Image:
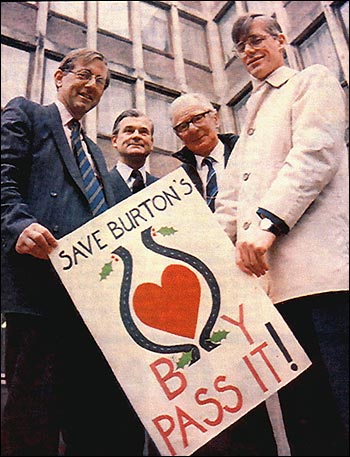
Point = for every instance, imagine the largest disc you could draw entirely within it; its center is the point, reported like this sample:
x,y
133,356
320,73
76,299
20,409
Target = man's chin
x,y
137,151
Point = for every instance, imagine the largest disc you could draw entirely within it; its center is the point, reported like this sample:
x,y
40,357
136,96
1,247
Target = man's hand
x,y
250,252
37,241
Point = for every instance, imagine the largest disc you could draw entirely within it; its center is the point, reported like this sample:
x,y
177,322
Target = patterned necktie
x,y
93,189
138,183
212,185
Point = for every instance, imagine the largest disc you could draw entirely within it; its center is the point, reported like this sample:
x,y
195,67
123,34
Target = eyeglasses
x,y
86,76
195,120
255,41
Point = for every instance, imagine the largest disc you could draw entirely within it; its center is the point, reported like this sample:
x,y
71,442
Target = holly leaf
x,y
185,359
167,231
106,270
216,337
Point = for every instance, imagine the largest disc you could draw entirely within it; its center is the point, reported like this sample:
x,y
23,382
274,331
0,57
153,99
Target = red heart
x,y
172,307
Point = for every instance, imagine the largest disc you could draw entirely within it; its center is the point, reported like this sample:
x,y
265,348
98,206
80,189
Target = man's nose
x,y
191,125
250,47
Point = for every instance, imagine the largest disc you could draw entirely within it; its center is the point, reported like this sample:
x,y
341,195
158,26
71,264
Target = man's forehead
x,y
189,108
257,26
135,121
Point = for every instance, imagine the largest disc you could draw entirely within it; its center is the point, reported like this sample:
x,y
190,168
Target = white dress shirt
x,y
66,118
125,172
218,155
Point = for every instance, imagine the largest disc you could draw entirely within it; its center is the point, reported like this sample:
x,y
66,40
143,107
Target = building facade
x,y
158,50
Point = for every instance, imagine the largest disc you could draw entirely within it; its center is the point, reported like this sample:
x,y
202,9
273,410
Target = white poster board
x,y
194,342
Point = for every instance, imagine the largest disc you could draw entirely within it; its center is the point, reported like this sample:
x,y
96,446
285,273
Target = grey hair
x,y
190,98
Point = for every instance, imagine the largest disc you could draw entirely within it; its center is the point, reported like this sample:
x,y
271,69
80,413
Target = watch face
x,y
266,224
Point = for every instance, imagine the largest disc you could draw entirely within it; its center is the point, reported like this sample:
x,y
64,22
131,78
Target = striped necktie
x,y
138,183
212,185
93,189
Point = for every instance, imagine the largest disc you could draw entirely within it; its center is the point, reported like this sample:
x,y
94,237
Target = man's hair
x,y
86,55
129,113
186,99
242,26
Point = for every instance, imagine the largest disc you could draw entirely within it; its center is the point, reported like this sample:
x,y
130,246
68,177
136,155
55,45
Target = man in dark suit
x,y
57,378
196,122
132,137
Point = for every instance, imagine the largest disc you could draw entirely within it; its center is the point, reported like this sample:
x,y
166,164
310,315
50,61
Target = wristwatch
x,y
268,226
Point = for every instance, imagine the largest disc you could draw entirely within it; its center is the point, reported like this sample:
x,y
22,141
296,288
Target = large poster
x,y
194,342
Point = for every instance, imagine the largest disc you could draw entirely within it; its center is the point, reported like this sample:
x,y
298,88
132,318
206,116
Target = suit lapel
x,y
54,122
121,189
150,179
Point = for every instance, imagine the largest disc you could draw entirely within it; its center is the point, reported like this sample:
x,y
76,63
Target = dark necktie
x,y
138,183
211,185
93,189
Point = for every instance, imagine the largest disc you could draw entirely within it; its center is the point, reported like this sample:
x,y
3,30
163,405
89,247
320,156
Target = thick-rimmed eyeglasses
x,y
195,120
86,76
255,42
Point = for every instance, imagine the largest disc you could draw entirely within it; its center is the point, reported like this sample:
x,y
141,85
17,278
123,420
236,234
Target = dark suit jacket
x,y
120,188
41,182
189,160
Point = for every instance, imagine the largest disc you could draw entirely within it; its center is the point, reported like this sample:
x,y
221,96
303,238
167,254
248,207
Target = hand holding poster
x,y
194,342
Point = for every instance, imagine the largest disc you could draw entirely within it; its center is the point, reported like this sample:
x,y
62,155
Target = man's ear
x,y
282,40
114,140
58,78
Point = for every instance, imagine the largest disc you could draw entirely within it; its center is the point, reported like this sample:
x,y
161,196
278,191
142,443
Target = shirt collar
x,y
217,154
64,113
125,171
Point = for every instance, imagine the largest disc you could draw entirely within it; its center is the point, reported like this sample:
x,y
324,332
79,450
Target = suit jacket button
x,y
53,194
55,228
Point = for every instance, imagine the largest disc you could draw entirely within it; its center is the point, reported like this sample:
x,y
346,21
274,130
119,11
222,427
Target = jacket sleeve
x,y
16,162
317,119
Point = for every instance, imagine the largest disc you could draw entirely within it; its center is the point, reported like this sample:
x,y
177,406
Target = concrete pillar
x,y
91,42
39,59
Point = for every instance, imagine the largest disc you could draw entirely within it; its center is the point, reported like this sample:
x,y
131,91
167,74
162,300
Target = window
x,y
117,97
154,27
49,95
74,10
319,48
157,108
225,27
343,13
240,111
194,43
193,5
14,73
114,17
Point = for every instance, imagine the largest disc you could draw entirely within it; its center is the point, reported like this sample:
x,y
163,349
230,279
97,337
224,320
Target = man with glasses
x,y
53,180
206,152
284,203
